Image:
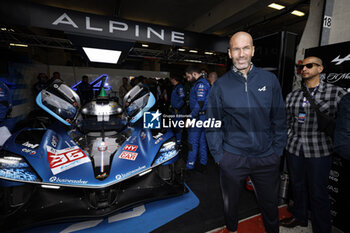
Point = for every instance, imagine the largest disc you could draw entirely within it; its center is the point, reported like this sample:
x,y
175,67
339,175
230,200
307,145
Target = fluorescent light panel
x,y
276,6
298,13
209,53
102,55
193,51
145,45
195,61
181,49
18,45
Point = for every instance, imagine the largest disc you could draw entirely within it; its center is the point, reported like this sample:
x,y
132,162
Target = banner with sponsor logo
x,y
78,23
336,62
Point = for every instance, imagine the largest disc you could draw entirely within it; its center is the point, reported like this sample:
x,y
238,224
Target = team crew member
x,y
124,88
309,149
5,101
85,90
249,103
212,77
177,102
5,106
198,105
41,84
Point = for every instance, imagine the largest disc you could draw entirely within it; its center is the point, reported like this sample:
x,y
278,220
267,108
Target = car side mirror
x,y
137,101
60,101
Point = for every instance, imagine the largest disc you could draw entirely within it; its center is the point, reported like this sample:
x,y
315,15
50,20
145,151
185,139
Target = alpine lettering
x,y
117,26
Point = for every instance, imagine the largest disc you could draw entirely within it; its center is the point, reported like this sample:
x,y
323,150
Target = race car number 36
x,y
62,160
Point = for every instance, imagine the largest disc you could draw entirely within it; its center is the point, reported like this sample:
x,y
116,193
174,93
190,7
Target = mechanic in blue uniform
x,y
85,90
5,101
177,102
198,105
5,106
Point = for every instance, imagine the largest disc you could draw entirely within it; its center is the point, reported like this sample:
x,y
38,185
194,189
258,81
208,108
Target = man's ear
x,y
320,68
229,53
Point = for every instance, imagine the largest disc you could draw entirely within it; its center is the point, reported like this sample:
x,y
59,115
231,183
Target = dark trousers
x,y
309,182
265,175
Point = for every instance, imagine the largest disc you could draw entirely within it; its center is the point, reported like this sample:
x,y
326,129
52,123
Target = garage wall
x,y
340,30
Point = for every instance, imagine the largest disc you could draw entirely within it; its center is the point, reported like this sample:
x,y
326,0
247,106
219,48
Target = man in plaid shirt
x,y
308,149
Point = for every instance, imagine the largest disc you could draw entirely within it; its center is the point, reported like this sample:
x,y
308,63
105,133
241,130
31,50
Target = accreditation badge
x,y
301,117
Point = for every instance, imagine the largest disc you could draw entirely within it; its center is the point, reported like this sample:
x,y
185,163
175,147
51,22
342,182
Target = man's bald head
x,y
241,51
241,36
314,59
212,77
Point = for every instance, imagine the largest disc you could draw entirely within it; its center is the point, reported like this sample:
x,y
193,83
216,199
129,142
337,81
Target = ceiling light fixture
x,y
145,45
209,53
276,6
195,61
298,13
102,55
193,51
19,45
181,49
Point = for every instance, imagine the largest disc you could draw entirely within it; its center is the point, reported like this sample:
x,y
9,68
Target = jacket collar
x,y
239,72
322,86
199,79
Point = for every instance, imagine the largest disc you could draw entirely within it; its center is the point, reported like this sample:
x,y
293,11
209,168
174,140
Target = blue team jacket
x,y
5,100
199,96
252,112
177,97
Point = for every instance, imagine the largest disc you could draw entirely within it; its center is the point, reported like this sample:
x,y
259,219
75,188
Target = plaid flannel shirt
x,y
315,144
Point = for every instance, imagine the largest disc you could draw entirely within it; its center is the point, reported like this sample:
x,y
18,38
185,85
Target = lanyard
x,y
305,101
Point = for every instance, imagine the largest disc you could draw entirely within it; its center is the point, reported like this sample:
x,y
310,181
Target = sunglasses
x,y
308,65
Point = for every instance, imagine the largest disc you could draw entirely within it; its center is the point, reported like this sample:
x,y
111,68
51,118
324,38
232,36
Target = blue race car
x,y
95,160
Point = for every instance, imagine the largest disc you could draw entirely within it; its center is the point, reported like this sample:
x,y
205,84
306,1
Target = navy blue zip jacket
x,y
252,113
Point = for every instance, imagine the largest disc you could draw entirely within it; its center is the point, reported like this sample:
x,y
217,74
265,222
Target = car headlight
x,y
16,168
166,152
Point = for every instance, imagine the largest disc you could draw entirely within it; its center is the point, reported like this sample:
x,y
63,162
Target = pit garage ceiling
x,y
216,17
221,17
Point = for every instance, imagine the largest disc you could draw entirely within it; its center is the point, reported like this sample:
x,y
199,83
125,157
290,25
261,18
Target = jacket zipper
x,y
250,123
